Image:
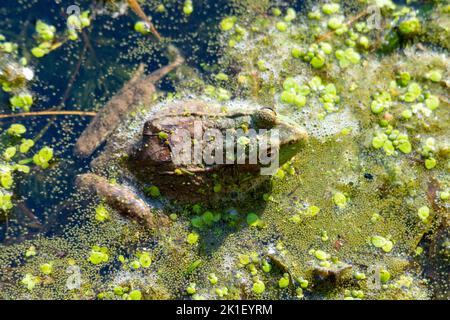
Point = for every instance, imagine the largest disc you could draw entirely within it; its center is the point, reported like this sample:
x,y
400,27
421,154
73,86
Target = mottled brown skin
x,y
152,161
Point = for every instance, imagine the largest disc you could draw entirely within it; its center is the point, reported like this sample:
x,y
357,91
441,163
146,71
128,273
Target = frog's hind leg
x,y
121,199
138,91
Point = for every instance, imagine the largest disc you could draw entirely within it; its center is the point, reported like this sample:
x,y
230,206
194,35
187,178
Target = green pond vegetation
x,y
361,212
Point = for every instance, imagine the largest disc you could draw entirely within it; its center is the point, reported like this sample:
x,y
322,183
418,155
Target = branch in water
x,y
349,23
49,113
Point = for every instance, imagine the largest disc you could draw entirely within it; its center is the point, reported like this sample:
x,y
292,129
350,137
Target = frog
x,y
189,150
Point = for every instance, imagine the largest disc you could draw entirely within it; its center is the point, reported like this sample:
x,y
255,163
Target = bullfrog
x,y
193,149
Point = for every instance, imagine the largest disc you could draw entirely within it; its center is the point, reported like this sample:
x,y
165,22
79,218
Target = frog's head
x,y
291,136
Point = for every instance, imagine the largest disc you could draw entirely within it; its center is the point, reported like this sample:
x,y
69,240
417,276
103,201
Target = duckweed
x,y
430,163
423,213
340,200
152,191
413,93
330,8
444,195
9,153
334,23
410,26
135,295
244,259
360,275
212,278
221,292
258,287
347,57
290,15
321,255
22,101
5,201
208,218
266,267
16,130
284,281
407,114
101,213
46,268
303,283
391,140
26,145
192,238
31,252
383,243
30,281
197,222
384,276
281,26
312,211
403,78
98,255
191,289
228,23
317,62
188,7
276,12
43,157
145,259
432,102
434,75
252,219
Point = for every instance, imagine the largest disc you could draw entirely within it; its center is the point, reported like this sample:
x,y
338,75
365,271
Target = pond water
x,y
364,198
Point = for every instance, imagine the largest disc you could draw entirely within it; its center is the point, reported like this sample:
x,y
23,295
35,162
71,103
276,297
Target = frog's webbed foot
x,y
122,199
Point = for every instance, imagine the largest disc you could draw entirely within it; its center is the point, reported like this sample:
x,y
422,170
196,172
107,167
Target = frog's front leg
x,y
122,199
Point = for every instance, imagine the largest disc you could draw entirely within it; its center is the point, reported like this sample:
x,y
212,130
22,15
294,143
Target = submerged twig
x,y
49,113
348,23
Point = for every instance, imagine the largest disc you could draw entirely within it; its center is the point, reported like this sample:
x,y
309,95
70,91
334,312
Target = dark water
x,y
83,75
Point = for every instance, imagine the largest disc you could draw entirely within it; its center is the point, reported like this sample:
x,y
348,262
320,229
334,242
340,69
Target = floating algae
x,y
361,212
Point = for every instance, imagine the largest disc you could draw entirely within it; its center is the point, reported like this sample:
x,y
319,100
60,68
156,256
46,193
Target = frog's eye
x,y
265,118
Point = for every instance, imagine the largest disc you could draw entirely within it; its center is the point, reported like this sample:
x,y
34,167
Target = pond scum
x,y
362,212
